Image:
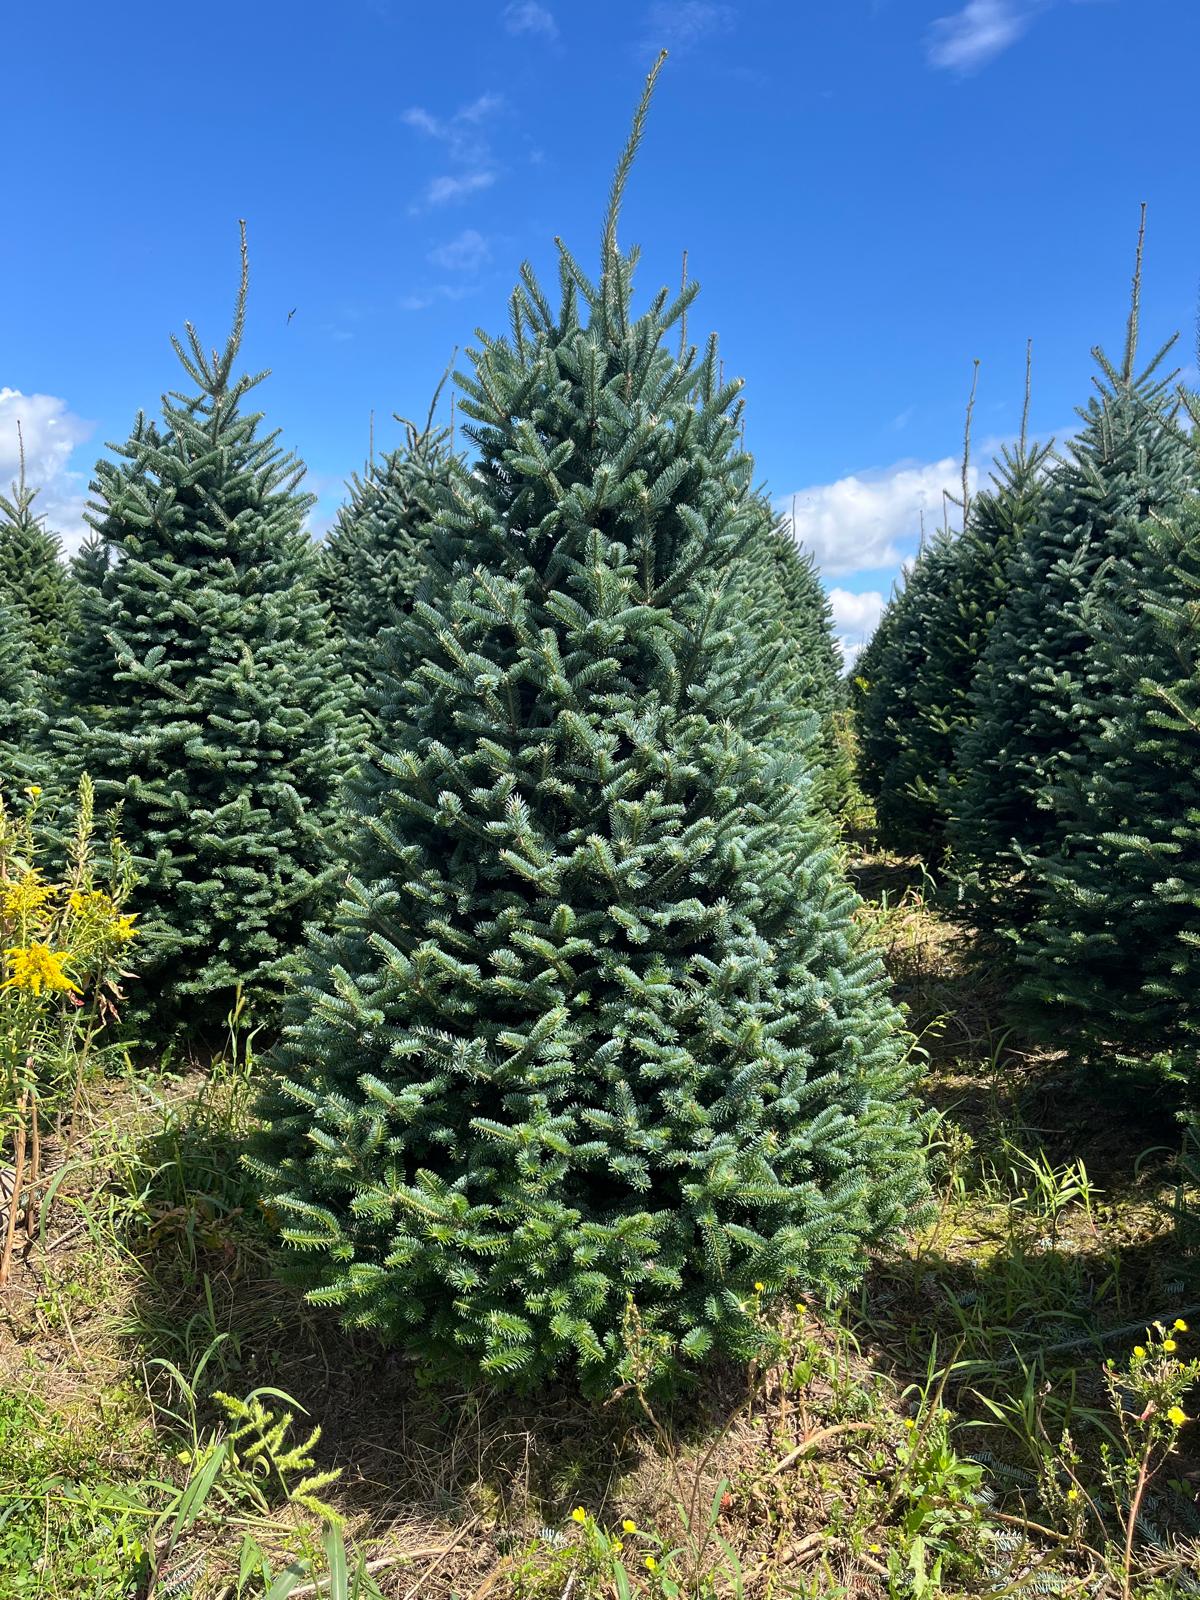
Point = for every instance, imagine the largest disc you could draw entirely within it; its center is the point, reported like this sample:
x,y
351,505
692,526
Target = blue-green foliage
x,y
594,1041
209,702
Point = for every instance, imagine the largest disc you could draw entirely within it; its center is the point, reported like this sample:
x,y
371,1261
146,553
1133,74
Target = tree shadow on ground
x,y
424,1465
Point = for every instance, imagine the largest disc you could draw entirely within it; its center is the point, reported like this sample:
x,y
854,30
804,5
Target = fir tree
x,y
375,556
1033,691
88,671
918,703
593,1050
21,720
33,580
1111,962
219,718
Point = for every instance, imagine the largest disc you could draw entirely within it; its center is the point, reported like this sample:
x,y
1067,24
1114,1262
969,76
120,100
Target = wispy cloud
x,y
679,25
982,30
467,252
526,16
464,139
51,432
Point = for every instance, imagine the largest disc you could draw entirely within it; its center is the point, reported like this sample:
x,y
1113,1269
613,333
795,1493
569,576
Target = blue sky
x,y
872,193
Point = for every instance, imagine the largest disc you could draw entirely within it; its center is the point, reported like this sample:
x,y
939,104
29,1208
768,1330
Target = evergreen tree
x,y
220,705
33,580
1033,693
375,555
1111,961
88,672
21,720
593,1051
918,704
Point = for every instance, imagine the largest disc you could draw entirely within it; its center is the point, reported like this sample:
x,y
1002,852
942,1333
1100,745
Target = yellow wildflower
x,y
1169,1345
758,1288
579,1514
1139,1350
651,1564
629,1526
909,1423
618,1546
1178,1416
875,1549
1072,1494
35,967
26,897
34,790
1180,1325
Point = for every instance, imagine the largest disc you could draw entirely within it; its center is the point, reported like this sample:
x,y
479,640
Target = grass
x,y
176,1421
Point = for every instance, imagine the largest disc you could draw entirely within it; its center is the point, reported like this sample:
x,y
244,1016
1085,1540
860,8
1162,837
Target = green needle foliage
x,y
1034,693
21,719
1111,962
916,704
593,1052
376,554
211,691
33,581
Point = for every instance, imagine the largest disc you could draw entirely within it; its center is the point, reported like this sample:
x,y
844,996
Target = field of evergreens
x,y
523,1079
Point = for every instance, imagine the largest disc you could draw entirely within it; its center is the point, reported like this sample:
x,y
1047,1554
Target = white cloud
x,y
50,431
526,16
855,618
445,189
466,146
466,253
973,36
679,24
859,523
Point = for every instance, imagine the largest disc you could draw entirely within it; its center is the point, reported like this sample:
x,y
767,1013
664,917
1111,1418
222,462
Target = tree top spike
x,y
1028,393
1135,302
621,175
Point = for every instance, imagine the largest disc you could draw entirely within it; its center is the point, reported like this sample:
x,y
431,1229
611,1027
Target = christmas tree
x,y
1111,961
33,581
375,556
593,1058
1033,693
21,720
218,718
917,705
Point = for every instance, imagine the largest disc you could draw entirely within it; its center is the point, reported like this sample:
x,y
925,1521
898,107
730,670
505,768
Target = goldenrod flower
x,y
35,967
1169,1345
579,1514
25,898
1178,1416
628,1526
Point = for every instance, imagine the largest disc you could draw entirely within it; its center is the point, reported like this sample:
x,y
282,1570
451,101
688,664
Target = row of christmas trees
x,y
1030,716
526,778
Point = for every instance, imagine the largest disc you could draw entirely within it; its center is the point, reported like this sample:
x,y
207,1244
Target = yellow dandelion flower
x,y
1178,1416
579,1514
1169,1345
35,967
1180,1325
1139,1350
628,1526
651,1564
